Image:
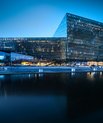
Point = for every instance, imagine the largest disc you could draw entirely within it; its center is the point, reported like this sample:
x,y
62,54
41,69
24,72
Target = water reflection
x,y
63,97
94,75
72,74
31,84
2,76
84,98
32,109
101,75
40,74
91,75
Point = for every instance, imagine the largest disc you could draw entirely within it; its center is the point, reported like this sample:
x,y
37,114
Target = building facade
x,y
84,38
76,39
39,48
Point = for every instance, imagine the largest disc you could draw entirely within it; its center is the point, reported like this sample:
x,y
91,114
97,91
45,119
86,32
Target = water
x,y
51,98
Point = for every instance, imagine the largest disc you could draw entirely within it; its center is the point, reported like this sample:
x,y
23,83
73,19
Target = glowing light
x,y
40,70
26,63
72,74
73,70
94,69
91,75
1,57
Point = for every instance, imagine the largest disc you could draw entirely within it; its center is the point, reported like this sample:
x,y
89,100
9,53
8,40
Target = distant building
x,y
76,39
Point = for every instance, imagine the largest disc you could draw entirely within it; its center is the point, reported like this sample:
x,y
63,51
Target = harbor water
x,y
51,98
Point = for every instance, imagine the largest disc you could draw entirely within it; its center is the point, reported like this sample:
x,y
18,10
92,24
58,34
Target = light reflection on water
x,y
62,97
2,76
72,74
93,75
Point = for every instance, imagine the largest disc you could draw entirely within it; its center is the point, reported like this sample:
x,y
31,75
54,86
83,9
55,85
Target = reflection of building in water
x,y
2,77
84,97
33,84
76,39
72,74
91,75
101,75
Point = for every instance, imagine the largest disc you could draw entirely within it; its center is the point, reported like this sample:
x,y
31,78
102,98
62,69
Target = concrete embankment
x,y
54,69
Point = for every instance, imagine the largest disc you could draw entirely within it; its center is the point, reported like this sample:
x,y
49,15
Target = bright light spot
x,y
94,69
100,73
5,68
1,57
40,70
73,70
26,63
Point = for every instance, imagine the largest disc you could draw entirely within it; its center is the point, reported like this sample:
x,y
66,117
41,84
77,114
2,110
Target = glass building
x,y
84,38
4,58
39,48
76,39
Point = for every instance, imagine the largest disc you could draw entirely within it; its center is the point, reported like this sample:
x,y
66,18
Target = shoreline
x,y
50,69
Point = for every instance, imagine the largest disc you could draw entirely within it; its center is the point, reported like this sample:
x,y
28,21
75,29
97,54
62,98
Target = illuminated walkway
x,y
55,69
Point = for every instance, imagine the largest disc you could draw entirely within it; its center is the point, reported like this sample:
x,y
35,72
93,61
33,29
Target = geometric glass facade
x,y
39,48
62,28
76,39
84,38
20,57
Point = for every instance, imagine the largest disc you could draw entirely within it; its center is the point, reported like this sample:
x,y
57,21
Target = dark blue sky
x,y
40,18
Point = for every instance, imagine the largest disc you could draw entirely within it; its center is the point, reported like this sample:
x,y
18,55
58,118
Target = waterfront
x,y
50,69
47,98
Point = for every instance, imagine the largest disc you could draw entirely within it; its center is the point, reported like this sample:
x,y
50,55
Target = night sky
x,y
40,18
